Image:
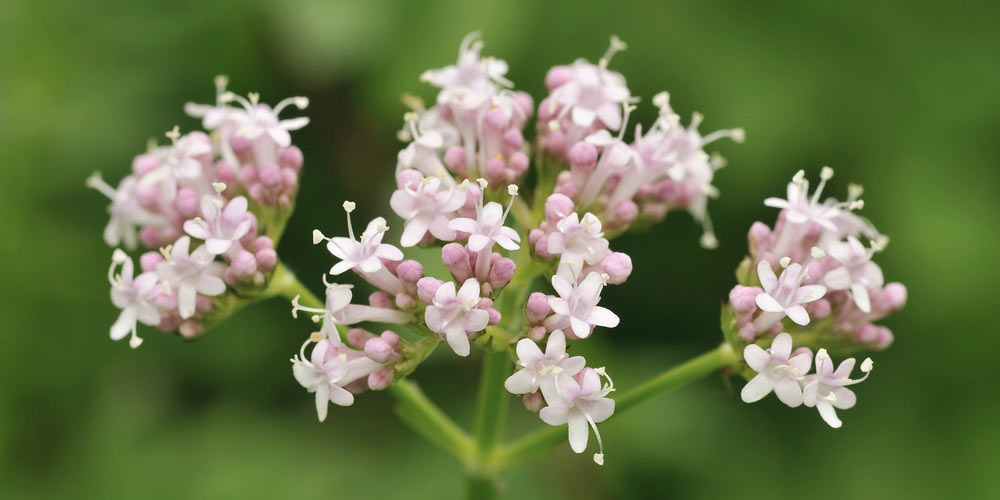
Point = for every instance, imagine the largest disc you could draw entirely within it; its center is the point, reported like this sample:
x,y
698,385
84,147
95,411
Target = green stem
x,y
491,416
540,442
424,417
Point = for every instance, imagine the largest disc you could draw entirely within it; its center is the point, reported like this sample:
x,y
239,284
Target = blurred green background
x,y
899,96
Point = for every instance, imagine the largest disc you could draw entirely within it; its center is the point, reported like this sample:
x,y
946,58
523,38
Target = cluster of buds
x,y
474,130
829,290
188,203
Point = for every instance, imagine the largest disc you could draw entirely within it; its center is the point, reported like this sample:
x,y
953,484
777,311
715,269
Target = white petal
x,y
768,303
477,242
414,231
788,391
124,324
340,396
322,401
520,382
861,298
464,224
554,414
578,431
556,346
781,346
458,340
756,389
528,351
756,357
583,116
342,267
838,279
580,328
217,246
797,314
602,316
828,413
767,278
809,293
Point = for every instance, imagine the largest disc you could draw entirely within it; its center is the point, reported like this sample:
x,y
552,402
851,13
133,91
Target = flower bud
x,y
291,157
378,349
244,265
357,338
618,267
426,289
582,154
379,299
149,260
454,158
456,258
501,273
405,301
537,307
557,76
410,271
380,379
533,401
557,207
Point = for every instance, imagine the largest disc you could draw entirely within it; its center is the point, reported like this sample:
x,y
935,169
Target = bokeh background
x,y
901,97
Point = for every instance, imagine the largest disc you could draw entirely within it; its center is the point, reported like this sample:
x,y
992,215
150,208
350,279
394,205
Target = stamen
x,y
817,253
219,187
318,237
165,251
348,208
95,181
785,261
662,102
174,133
627,108
825,174
598,457
482,183
867,365
616,45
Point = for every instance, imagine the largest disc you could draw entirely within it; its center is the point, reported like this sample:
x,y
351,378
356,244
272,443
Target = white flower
x,y
126,212
777,370
577,305
340,311
220,228
190,274
365,254
134,297
785,295
328,370
260,120
426,206
827,389
488,228
857,273
593,93
538,368
578,401
578,241
454,314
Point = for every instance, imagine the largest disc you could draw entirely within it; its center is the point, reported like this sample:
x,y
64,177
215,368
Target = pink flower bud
x,y
494,171
203,304
557,76
742,299
533,401
819,309
378,349
454,158
519,163
568,188
618,267
534,235
149,260
357,338
405,301
144,164
390,338
244,265
427,287
884,339
494,316
866,333
380,379
291,157
554,142
894,296
380,299
456,258
497,119
501,273
747,333
524,102
190,328
557,207
410,271
582,154
537,333
624,212
148,195
262,242
248,174
270,175
239,144
187,202
226,172
267,259
513,139
289,178
801,350
537,307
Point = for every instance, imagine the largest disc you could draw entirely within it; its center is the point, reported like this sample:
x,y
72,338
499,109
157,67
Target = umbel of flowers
x,y
527,258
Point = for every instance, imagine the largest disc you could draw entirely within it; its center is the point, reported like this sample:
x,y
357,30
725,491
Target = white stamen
x,y
318,237
482,183
866,365
218,204
512,189
219,187
817,253
174,133
826,173
118,256
785,261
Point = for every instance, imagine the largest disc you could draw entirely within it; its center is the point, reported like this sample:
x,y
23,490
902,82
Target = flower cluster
x,y
663,169
829,289
786,373
210,207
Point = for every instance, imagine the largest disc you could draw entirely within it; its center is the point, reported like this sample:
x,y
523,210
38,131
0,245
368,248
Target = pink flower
x,y
538,368
364,255
827,389
190,274
454,314
426,205
576,306
578,401
220,227
328,370
777,370
784,296
857,272
135,297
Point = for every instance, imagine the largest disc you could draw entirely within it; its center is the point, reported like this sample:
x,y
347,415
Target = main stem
x,y
540,442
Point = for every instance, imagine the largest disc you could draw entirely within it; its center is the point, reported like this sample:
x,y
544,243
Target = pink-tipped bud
x,y
519,163
244,265
501,273
624,212
405,301
248,174
150,237
270,175
497,119
148,195
426,289
557,207
291,157
357,338
568,189
378,349
149,260
262,243
494,316
554,141
866,333
533,401
884,339
190,328
494,171
267,259
203,304
537,333
380,379
226,172
618,267
408,178
410,271
188,202
582,154
747,333
534,235
380,299
240,144
524,103
391,338
454,158
759,235
456,259
893,296
513,139
557,76
289,178
537,307
819,309
542,247
144,164
743,299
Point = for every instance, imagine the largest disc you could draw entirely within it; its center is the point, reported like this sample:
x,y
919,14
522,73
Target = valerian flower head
x,y
577,401
538,368
190,274
827,389
454,314
134,296
777,370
